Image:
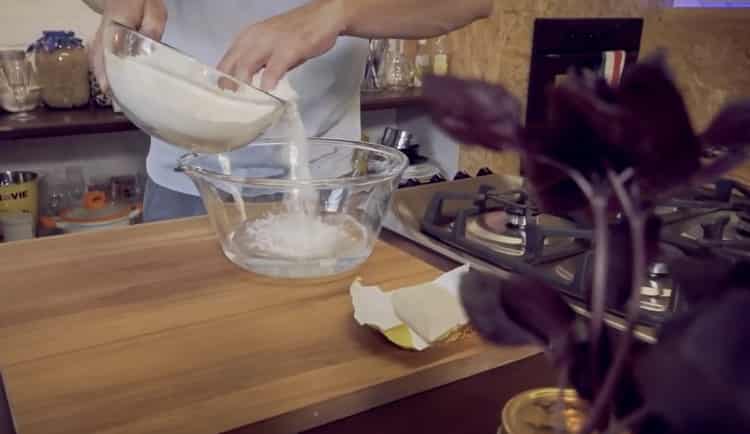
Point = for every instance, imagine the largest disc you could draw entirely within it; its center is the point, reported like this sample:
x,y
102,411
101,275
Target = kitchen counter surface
x,y
150,329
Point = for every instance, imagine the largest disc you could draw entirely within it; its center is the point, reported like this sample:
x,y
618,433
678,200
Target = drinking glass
x,y
19,91
76,183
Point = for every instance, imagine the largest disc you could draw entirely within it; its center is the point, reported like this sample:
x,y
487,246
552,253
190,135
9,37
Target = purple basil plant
x,y
604,152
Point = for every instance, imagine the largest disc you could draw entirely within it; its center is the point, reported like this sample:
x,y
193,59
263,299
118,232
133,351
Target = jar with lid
x,y
422,62
440,56
545,410
62,69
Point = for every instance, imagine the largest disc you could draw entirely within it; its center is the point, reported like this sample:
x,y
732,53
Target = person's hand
x,y
147,16
280,43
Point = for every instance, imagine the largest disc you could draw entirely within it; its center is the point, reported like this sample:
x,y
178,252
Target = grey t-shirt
x,y
328,86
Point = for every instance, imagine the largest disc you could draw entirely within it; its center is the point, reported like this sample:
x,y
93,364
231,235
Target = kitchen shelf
x,y
391,99
94,120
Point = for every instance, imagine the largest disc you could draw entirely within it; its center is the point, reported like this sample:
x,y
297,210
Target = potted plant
x,y
608,154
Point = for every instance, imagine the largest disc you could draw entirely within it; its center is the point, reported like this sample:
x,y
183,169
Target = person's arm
x,y
95,5
284,41
410,19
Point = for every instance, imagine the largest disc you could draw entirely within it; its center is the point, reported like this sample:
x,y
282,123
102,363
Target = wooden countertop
x,y
150,329
94,120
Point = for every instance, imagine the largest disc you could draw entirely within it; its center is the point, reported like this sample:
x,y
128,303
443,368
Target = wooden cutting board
x,y
150,329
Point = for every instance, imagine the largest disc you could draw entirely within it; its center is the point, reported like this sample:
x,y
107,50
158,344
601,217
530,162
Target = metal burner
x,y
503,228
517,221
506,232
657,292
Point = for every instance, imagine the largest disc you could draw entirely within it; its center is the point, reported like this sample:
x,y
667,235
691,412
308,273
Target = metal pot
x,y
19,192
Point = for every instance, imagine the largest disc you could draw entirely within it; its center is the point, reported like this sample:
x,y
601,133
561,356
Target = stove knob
x,y
484,171
461,175
437,178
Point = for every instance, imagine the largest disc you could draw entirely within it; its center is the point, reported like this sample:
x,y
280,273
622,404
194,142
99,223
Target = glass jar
x,y
440,56
399,68
62,69
422,62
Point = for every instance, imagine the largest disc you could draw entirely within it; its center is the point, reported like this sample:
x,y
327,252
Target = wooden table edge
x,y
361,401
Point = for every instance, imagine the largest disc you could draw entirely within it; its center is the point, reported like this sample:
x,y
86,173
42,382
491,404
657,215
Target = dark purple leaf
x,y
731,127
619,275
538,308
696,379
580,364
703,280
665,148
515,311
474,111
481,296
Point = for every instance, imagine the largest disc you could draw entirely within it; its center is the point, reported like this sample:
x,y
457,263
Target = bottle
x,y
400,69
423,62
440,56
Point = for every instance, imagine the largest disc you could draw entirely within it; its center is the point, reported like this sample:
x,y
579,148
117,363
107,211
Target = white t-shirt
x,y
328,86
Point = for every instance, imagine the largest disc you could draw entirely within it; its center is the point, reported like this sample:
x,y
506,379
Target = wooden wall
x,y
709,50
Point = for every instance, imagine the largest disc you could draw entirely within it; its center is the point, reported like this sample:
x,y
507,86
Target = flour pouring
x,y
289,206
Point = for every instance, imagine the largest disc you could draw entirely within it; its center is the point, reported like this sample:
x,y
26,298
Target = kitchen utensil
x,y
17,226
325,240
81,218
19,192
389,136
177,99
396,138
19,91
403,140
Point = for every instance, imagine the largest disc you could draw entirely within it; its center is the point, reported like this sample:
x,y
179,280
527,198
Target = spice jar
x,y
62,69
542,411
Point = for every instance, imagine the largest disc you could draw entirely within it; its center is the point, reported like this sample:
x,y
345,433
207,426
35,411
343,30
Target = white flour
x,y
211,120
300,231
203,119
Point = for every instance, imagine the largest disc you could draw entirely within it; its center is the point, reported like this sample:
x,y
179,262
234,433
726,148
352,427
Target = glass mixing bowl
x,y
181,101
271,224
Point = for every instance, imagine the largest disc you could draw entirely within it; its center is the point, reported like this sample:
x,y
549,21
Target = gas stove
x,y
490,221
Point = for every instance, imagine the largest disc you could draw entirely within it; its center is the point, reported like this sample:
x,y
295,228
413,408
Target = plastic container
x,y
248,205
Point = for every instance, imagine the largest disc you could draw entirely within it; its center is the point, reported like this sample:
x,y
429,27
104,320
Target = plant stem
x,y
637,221
628,422
599,284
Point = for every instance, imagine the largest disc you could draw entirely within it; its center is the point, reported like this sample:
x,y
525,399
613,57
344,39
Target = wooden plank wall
x,y
709,51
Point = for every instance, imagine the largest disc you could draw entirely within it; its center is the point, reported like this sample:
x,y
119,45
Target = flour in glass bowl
x,y
299,232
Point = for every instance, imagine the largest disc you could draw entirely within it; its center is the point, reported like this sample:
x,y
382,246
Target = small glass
x,y
57,198
19,90
76,182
